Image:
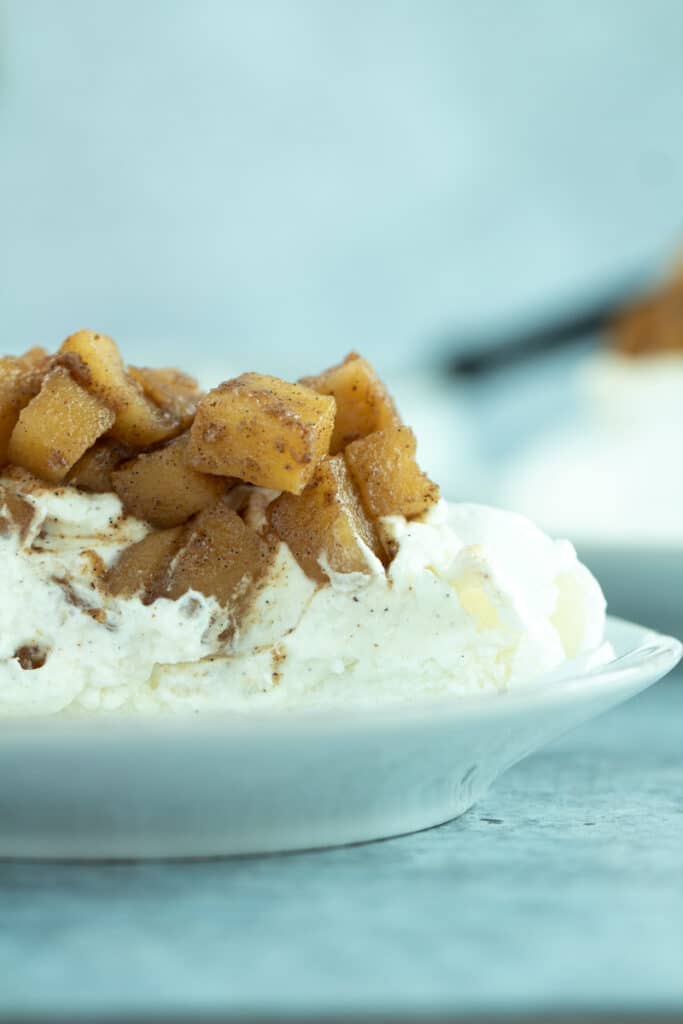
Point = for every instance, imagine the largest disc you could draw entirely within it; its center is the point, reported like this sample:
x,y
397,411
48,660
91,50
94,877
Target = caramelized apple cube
x,y
262,430
95,361
162,488
326,522
170,389
57,427
387,476
141,568
93,470
35,358
221,558
363,403
20,381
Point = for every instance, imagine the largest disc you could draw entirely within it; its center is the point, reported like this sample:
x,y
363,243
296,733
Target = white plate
x,y
178,787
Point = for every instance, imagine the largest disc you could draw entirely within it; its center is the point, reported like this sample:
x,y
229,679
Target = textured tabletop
x,y
563,889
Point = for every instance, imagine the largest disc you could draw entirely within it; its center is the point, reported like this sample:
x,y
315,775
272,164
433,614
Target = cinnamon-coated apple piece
x,y
363,403
326,523
20,381
388,478
141,568
57,427
262,430
95,361
220,557
93,470
162,488
171,389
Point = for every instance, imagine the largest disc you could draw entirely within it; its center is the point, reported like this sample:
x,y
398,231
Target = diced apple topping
x,y
170,389
95,361
93,470
57,427
263,431
141,569
162,488
326,523
363,403
35,358
20,381
220,557
387,476
222,478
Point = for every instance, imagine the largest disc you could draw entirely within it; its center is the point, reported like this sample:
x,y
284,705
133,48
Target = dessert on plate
x,y
588,480
264,545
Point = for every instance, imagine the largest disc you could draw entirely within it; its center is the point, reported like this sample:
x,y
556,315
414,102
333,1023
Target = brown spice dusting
x,y
278,656
69,593
98,614
31,656
96,563
19,512
226,635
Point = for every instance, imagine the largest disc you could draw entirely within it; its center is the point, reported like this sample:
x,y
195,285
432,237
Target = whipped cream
x,y
475,599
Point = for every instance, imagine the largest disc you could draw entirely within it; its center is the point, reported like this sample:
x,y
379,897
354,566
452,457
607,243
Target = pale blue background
x,y
270,180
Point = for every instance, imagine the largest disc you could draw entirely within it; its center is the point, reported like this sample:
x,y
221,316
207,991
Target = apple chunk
x,y
326,522
93,470
387,476
363,403
95,361
20,381
262,430
141,568
162,488
170,389
221,557
57,427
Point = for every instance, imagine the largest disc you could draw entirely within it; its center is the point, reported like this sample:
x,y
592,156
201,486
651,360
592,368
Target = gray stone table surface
x,y
562,890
